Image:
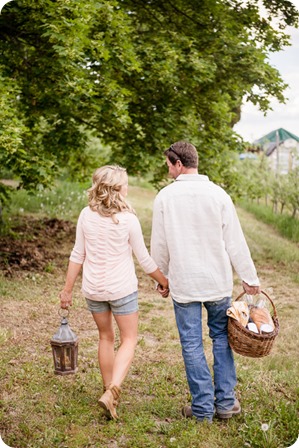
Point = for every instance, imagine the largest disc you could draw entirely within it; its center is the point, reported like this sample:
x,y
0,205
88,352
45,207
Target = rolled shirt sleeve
x,y
159,248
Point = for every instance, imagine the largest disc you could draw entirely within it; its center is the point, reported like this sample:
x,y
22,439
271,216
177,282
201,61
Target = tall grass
x,y
66,199
62,202
285,224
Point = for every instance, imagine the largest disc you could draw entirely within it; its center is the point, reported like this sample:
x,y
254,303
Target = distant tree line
x,y
258,182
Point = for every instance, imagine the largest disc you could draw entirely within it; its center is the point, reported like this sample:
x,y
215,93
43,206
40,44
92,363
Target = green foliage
x,y
286,225
261,187
255,177
4,195
291,191
81,165
135,75
63,201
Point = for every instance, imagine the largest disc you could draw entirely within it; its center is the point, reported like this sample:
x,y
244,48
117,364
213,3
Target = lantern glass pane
x,y
68,358
57,354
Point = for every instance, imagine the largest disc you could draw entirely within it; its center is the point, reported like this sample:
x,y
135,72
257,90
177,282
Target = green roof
x,y
272,137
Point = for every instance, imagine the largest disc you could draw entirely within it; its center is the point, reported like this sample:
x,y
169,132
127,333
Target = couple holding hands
x,y
196,240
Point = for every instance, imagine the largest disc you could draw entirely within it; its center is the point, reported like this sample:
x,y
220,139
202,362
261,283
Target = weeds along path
x,y
277,261
39,409
269,249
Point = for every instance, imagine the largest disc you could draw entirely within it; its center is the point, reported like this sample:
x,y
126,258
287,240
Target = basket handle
x,y
265,294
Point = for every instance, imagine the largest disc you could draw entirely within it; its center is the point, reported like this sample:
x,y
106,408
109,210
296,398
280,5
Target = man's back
x,y
197,222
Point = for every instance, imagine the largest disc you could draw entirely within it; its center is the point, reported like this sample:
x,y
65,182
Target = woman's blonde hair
x,y
104,196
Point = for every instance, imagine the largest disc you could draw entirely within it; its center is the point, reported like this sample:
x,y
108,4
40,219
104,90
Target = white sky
x,y
253,124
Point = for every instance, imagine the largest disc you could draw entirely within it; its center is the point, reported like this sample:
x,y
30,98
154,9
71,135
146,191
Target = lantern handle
x,y
61,312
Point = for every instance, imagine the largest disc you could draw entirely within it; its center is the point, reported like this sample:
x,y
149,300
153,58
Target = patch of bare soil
x,y
33,244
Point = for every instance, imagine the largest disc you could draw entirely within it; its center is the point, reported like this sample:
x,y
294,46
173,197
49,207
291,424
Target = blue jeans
x,y
205,394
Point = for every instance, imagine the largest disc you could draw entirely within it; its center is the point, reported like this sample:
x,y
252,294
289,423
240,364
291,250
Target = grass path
x,y
39,409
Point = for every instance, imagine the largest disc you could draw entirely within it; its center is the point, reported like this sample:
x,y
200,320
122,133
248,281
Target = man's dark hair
x,y
183,151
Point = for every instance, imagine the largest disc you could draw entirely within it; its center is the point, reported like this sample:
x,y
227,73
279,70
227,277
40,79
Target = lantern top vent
x,y
64,333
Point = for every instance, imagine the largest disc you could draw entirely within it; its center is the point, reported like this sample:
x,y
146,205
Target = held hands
x,y
66,299
163,290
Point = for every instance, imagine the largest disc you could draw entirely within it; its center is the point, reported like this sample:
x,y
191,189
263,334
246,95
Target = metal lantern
x,y
65,349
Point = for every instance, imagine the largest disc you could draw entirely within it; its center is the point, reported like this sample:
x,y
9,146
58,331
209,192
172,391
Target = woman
x,y
107,233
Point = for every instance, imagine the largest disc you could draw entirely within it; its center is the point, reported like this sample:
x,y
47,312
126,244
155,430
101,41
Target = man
x,y
196,239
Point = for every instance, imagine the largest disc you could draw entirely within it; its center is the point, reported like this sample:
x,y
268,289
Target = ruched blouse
x,y
106,251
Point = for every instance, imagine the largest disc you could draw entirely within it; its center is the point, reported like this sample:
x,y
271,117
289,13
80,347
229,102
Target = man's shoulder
x,y
166,190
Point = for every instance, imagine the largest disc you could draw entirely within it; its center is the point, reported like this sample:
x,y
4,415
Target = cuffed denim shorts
x,y
123,306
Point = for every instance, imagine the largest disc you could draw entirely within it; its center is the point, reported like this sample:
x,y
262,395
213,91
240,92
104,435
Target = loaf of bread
x,y
261,316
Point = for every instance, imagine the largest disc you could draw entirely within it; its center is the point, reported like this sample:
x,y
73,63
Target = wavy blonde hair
x,y
104,196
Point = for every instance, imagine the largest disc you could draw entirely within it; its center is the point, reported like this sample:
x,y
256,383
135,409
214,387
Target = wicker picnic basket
x,y
245,342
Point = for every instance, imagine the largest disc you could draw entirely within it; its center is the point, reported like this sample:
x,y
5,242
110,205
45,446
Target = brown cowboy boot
x,y
107,400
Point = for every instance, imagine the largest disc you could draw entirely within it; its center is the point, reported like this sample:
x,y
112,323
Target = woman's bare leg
x,y
128,328
106,345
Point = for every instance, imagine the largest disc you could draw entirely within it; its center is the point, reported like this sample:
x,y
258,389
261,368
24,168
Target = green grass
x,y
41,410
286,225
66,200
62,202
269,247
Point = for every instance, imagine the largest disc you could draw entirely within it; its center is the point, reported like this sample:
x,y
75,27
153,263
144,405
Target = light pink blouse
x,y
105,250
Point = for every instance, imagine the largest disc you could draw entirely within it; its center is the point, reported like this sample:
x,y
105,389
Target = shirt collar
x,y
192,177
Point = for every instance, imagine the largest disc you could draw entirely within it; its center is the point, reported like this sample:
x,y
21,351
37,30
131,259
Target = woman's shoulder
x,y
90,215
127,216
85,211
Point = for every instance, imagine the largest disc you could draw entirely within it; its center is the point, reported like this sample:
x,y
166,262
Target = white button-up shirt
x,y
197,238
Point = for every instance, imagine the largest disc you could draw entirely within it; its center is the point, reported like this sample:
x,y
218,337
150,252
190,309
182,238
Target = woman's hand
x,y
163,290
66,299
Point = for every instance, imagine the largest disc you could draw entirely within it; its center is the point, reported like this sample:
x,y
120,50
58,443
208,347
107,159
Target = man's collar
x,y
192,177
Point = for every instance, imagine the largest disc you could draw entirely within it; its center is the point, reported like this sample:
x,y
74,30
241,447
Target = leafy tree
x,y
136,75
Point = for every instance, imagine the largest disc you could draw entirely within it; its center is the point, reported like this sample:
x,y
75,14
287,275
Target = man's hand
x,y
251,290
66,299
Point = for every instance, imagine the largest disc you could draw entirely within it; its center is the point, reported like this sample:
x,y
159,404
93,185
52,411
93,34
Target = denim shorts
x,y
125,305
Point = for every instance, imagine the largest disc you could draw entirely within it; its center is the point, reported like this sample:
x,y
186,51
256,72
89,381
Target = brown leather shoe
x,y
107,401
187,412
235,410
